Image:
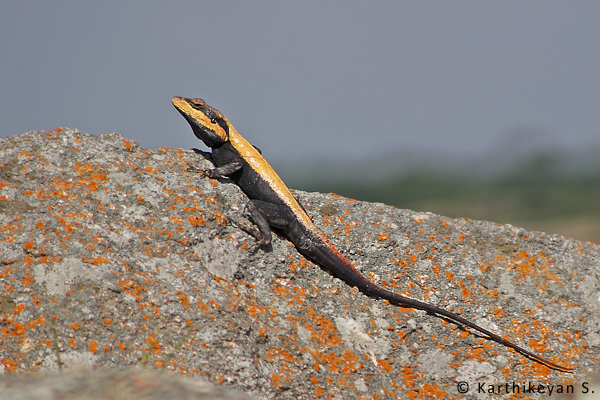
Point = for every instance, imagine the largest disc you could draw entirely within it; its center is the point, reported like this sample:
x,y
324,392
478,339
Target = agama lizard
x,y
272,204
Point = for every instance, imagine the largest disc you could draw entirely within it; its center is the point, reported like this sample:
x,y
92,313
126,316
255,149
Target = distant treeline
x,y
531,200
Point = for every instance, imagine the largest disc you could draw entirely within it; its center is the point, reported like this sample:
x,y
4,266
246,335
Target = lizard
x,y
271,204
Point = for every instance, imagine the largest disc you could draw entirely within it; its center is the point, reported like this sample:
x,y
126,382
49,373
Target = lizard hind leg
x,y
265,215
263,231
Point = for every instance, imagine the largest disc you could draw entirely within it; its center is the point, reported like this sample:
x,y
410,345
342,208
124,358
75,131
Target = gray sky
x,y
307,79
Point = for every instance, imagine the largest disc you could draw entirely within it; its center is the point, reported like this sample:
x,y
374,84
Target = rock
x,y
116,257
113,385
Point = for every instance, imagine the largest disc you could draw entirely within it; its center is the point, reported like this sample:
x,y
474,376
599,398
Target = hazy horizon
x,y
311,80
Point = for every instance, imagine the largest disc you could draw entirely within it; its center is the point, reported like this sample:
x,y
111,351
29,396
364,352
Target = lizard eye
x,y
213,120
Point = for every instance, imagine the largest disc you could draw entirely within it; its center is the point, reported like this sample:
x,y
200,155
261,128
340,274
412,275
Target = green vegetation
x,y
569,206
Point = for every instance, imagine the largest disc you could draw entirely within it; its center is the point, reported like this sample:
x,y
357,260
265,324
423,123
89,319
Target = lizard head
x,y
207,123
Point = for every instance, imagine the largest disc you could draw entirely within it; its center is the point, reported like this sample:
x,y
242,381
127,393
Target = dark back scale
x,y
247,178
267,191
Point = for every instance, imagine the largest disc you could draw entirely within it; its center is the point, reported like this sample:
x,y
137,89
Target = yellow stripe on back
x,y
258,163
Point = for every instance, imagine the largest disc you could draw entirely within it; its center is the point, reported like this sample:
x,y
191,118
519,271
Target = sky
x,y
308,80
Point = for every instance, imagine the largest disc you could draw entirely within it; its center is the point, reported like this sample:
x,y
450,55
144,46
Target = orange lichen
x,y
385,365
93,347
96,261
153,344
18,309
33,323
10,365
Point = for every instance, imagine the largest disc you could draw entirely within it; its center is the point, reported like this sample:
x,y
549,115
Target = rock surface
x,y
111,385
113,256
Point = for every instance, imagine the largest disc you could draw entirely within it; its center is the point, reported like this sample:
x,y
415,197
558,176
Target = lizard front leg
x,y
224,170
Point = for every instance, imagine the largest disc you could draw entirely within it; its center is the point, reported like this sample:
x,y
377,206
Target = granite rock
x,y
117,257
